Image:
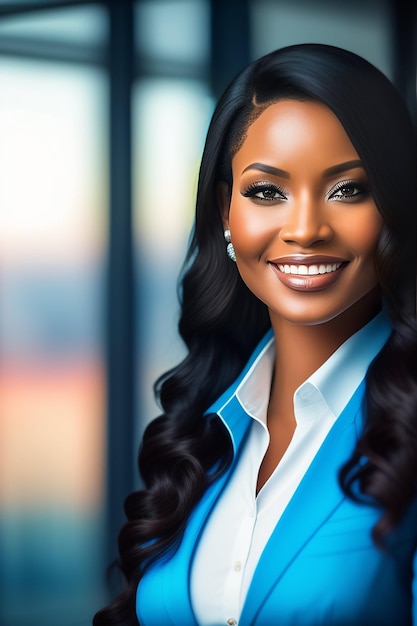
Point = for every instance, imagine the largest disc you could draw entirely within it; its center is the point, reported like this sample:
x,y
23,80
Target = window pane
x,y
85,25
363,27
52,244
171,119
173,32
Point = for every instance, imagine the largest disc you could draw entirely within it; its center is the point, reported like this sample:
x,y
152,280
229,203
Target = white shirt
x,y
241,523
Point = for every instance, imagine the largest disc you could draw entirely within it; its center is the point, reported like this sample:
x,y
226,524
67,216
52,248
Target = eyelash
x,y
259,187
360,187
279,193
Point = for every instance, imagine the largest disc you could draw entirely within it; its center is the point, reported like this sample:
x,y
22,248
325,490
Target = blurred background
x,y
104,108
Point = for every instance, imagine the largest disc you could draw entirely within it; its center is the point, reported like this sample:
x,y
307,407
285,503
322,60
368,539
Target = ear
x,y
223,198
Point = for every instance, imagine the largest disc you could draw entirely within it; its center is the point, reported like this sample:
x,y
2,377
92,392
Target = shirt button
x,y
238,566
231,622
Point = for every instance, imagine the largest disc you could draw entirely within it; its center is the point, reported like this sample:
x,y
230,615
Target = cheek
x,y
251,228
366,236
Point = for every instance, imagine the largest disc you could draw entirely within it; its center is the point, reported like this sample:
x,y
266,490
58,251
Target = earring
x,y
230,249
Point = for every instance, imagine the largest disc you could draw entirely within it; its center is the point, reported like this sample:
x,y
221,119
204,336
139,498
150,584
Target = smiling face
x,y
303,221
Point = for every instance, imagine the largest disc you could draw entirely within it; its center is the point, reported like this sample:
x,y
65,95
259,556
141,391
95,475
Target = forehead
x,y
291,128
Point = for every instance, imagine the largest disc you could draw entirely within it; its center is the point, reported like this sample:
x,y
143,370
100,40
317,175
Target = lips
x,y
308,273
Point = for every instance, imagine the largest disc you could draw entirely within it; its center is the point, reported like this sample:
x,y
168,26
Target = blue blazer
x,y
320,566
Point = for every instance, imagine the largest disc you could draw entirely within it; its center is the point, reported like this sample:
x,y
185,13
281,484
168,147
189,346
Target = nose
x,y
306,225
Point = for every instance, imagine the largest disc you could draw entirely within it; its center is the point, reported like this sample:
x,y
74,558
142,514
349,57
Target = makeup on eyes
x,y
351,190
255,189
345,190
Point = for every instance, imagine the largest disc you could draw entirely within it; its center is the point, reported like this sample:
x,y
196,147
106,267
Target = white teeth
x,y
309,270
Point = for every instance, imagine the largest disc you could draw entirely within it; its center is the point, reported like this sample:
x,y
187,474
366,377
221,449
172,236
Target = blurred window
x,y
53,223
171,110
173,32
362,27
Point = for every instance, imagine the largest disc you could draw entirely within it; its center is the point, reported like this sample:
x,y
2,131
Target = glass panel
x,y
175,31
363,27
85,25
171,119
52,243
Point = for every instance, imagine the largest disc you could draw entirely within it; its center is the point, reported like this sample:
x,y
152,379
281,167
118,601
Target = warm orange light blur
x,y
52,436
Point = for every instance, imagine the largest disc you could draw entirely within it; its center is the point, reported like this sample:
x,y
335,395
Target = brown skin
x,y
302,214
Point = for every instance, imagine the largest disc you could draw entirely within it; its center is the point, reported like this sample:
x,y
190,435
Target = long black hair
x,y
221,321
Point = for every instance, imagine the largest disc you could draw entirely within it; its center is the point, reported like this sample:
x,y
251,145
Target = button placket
x,y
233,583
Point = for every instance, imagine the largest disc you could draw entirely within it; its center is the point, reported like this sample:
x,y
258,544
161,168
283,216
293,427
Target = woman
x,y
281,477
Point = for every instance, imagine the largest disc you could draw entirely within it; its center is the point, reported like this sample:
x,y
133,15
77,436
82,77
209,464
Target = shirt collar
x,y
332,384
344,370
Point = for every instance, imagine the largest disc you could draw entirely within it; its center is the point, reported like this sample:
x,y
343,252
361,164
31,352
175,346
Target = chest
x,y
335,575
319,560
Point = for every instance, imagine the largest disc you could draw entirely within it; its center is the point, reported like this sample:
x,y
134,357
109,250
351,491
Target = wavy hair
x,y
221,321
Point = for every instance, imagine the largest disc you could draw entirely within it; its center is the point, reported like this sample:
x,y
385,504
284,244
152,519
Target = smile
x,y
309,270
308,274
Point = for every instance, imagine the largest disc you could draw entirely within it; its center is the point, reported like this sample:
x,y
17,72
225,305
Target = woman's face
x,y
303,221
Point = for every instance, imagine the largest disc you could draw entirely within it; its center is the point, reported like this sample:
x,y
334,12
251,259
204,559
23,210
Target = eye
x,y
264,192
348,190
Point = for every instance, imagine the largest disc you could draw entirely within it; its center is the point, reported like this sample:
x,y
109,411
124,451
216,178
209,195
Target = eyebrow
x,y
330,171
268,169
342,167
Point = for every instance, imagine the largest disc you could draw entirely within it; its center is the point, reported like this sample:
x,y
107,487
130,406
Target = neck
x,y
302,349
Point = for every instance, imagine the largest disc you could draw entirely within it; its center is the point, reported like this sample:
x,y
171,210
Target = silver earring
x,y
230,249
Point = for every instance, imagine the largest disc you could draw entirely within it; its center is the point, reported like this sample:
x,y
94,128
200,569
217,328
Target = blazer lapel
x,y
176,571
319,494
